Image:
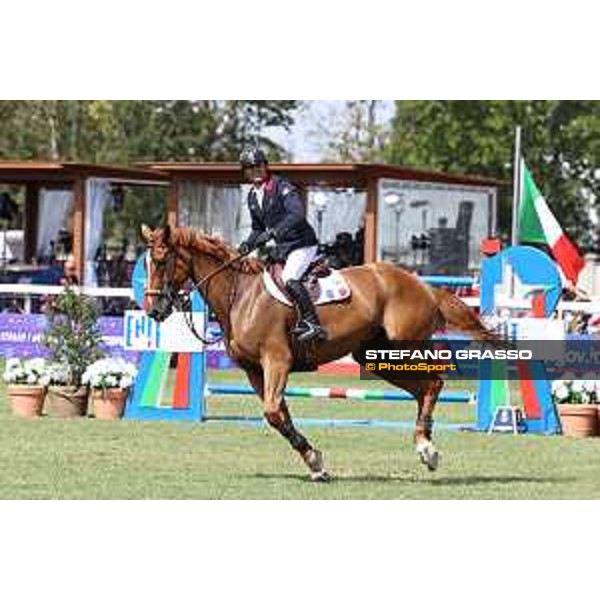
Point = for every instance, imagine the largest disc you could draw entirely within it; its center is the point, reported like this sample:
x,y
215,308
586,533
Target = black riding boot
x,y
308,327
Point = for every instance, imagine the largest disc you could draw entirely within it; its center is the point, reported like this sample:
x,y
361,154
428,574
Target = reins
x,y
198,285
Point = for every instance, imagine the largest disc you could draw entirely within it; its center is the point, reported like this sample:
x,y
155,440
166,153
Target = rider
x,y
278,214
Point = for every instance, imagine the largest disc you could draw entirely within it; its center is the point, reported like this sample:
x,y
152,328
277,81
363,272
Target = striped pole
x,y
341,393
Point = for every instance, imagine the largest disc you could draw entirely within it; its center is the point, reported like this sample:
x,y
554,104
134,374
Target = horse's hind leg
x,y
270,386
427,396
426,392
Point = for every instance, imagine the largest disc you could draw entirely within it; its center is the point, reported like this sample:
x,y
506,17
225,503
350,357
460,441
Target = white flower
x,y
24,372
562,392
110,372
126,382
57,374
589,385
13,363
37,364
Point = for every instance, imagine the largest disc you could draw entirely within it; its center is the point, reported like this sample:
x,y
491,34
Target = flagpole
x,y
516,187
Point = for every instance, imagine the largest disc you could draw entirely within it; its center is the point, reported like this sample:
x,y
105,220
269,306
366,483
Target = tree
x,y
356,132
560,143
134,130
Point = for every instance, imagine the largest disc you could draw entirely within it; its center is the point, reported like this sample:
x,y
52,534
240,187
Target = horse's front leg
x,y
278,416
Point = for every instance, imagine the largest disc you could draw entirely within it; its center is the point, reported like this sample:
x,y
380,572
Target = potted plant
x,y
26,386
110,380
577,406
73,338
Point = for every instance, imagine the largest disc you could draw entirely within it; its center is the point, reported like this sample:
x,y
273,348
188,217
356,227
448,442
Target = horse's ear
x,y
146,232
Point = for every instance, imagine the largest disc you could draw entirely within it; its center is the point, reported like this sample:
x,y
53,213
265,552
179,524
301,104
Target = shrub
x,y
73,336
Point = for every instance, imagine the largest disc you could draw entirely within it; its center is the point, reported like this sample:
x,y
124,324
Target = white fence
x,y
28,291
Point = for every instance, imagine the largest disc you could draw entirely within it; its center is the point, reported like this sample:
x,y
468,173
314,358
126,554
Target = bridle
x,y
181,299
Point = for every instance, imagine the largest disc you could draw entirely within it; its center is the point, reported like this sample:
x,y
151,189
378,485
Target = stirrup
x,y
305,331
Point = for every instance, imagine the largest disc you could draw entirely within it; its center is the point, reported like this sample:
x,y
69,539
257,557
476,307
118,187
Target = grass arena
x,y
85,458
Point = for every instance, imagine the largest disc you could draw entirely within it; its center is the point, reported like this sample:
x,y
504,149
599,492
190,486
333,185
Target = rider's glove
x,y
245,248
263,238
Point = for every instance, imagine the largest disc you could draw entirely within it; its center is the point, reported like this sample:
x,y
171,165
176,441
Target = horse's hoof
x,y
428,454
320,476
316,463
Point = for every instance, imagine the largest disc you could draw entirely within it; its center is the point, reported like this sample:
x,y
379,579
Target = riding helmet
x,y
252,156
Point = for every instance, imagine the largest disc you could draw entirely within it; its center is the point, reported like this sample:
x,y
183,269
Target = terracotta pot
x,y
26,400
109,403
67,401
578,420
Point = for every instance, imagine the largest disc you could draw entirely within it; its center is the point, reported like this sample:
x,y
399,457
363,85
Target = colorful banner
x,y
21,336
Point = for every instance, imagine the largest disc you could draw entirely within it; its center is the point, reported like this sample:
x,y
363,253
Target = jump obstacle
x,y
531,273
187,402
150,400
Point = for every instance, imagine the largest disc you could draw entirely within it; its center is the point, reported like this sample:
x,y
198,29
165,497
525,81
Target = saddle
x,y
324,284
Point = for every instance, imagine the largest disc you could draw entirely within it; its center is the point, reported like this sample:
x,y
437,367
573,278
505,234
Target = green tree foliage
x,y
561,144
135,130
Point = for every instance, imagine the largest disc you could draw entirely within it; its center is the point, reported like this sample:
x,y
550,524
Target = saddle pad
x,y
333,288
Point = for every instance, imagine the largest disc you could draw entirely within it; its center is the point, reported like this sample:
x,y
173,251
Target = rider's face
x,y
256,174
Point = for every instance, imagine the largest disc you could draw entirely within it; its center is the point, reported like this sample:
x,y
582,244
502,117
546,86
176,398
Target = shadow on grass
x,y
433,480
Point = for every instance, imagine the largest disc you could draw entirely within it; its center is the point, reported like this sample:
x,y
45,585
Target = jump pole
x,y
460,397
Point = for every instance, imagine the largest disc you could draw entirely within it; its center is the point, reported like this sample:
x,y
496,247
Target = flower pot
x,y
109,403
26,400
578,420
67,401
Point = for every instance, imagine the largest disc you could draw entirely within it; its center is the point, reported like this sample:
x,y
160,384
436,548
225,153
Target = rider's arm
x,y
294,212
257,229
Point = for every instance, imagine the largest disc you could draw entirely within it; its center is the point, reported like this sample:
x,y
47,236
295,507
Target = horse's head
x,y
166,272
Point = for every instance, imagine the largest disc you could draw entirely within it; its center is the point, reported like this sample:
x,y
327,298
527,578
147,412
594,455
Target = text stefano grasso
x,y
469,354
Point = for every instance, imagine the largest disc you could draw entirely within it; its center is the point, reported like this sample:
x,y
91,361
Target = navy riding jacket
x,y
282,212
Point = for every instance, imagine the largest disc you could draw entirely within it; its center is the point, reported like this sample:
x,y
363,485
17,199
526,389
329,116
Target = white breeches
x,y
297,263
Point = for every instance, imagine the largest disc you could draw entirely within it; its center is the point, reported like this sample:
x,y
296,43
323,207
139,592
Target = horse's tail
x,y
460,317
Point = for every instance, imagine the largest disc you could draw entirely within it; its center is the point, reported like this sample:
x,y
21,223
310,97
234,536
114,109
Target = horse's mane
x,y
215,247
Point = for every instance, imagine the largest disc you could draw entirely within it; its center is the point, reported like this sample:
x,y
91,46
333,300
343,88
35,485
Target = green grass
x,y
50,458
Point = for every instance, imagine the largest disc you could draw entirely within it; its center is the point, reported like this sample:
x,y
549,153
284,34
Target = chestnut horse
x,y
386,303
